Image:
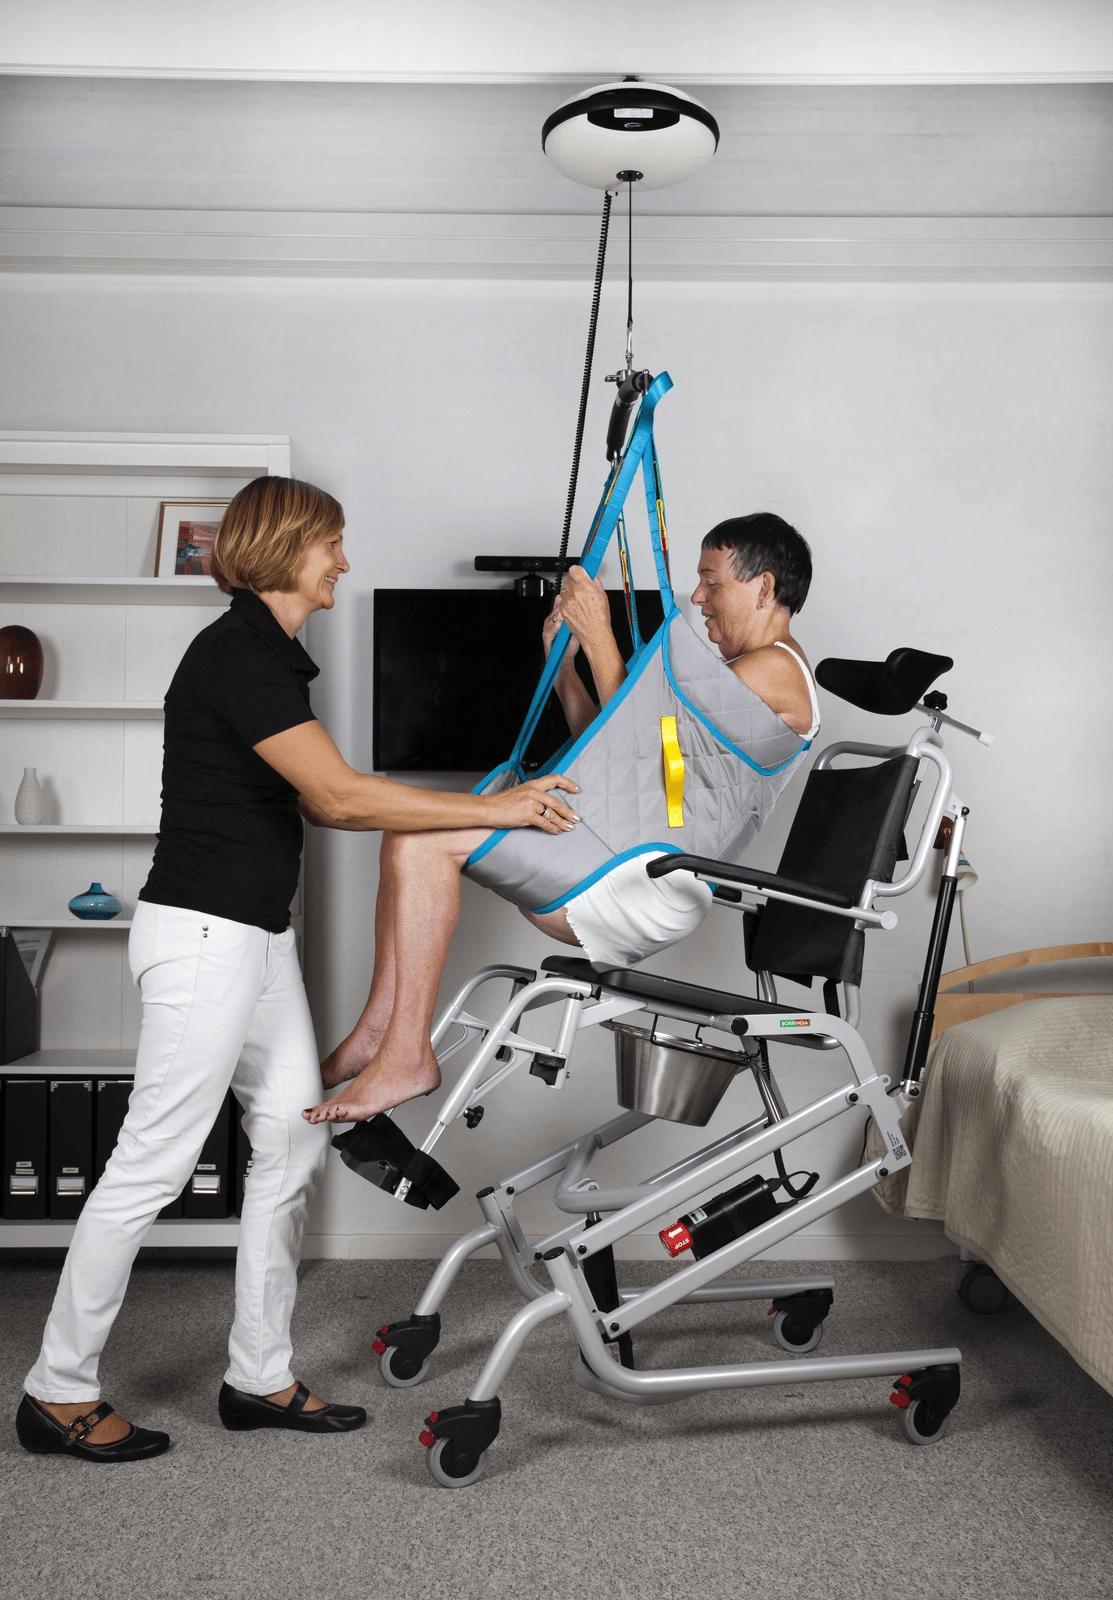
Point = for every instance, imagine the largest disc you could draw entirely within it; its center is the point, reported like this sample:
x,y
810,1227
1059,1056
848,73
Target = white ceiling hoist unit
x,y
629,132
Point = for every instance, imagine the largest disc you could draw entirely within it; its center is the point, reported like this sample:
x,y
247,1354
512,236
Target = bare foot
x,y
379,1087
107,1431
284,1396
351,1055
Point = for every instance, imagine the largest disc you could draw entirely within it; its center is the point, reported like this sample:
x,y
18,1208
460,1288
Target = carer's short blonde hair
x,y
266,530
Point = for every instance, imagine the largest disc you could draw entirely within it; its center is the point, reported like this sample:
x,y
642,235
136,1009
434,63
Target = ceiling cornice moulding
x,y
565,41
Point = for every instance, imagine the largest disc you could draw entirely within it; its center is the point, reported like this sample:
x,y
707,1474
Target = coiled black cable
x,y
588,360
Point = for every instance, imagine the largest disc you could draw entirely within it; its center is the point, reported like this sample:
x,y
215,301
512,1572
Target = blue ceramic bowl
x,y
95,906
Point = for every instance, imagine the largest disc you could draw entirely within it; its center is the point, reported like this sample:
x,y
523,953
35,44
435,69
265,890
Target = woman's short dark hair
x,y
764,542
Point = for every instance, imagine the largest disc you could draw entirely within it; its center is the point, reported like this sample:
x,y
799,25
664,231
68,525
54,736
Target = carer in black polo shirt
x,y
213,953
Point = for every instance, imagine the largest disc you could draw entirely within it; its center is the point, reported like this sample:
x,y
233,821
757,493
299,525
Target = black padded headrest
x,y
890,687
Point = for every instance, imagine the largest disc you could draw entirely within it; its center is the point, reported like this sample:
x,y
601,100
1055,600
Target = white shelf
x,y
187,1233
76,923
112,829
230,454
83,710
72,1064
97,591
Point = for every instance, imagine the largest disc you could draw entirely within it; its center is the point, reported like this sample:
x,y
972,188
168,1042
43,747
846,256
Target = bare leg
x,y
426,881
554,923
362,1044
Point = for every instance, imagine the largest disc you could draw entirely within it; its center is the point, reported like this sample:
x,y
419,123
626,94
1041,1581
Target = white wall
x,y
946,448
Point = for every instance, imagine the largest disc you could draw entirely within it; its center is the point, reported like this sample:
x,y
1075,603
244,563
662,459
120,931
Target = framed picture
x,y
186,530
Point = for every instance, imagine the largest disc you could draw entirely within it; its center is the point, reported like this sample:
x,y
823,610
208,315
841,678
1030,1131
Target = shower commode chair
x,y
806,921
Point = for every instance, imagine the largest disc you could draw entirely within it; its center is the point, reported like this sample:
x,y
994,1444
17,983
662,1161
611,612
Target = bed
x,y
1013,1139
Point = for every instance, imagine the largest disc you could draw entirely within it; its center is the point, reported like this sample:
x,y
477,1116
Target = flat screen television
x,y
455,671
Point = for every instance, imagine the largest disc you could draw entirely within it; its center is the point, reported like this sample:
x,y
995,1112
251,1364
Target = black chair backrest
x,y
848,828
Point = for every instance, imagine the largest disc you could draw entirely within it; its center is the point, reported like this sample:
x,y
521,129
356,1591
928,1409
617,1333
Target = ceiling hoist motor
x,y
631,135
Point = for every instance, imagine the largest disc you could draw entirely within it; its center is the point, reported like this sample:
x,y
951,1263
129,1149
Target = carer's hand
x,y
530,806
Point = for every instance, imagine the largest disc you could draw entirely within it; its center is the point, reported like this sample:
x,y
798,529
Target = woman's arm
x,y
334,795
583,604
579,708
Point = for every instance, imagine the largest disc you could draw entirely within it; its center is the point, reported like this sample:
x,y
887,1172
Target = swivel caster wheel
x,y
398,1369
457,1440
982,1291
792,1337
447,1473
405,1349
925,1399
919,1425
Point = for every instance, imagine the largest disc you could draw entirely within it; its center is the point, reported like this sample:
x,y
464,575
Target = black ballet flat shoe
x,y
43,1435
240,1411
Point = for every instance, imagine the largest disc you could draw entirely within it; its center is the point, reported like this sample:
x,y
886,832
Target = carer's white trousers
x,y
223,1005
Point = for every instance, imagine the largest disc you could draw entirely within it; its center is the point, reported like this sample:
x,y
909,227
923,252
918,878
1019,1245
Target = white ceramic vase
x,y
29,799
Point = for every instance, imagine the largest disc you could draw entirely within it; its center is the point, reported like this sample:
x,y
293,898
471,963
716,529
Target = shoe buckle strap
x,y
81,1427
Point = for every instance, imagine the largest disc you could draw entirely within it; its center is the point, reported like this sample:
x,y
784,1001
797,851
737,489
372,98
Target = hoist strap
x,y
639,452
628,585
674,772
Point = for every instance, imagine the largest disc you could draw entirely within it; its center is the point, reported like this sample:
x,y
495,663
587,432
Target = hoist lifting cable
x,y
586,385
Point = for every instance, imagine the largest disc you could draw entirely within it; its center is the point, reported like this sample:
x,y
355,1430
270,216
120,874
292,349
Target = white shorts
x,y
626,916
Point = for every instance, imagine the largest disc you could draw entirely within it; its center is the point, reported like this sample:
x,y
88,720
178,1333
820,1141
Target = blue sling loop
x,y
640,452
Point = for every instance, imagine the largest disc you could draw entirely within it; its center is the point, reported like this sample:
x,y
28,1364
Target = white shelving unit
x,y
83,508
61,829
71,924
82,710
84,591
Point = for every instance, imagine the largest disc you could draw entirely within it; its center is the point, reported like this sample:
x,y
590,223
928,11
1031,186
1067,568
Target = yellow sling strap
x,y
674,772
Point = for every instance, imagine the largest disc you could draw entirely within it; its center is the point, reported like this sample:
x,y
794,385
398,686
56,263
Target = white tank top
x,y
814,729
780,645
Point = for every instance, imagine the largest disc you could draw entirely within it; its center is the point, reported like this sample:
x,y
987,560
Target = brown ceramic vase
x,y
21,663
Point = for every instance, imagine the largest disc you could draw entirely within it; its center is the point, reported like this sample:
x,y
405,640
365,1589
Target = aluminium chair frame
x,y
578,1256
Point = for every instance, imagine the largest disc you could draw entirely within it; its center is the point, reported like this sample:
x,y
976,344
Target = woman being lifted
x,y
754,573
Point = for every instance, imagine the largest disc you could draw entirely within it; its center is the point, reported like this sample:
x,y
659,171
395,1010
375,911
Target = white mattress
x,y
1013,1152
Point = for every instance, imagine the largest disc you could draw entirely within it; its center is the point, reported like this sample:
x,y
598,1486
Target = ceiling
x,y
708,41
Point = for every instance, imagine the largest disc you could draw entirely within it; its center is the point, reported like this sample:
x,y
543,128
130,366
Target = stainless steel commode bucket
x,y
680,1080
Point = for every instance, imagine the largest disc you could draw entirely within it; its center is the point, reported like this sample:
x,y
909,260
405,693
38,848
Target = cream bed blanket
x,y
1013,1152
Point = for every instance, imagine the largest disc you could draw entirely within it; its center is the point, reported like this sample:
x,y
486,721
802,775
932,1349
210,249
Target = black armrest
x,y
748,877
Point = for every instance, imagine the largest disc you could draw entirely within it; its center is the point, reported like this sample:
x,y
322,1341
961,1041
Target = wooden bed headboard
x,y
959,1005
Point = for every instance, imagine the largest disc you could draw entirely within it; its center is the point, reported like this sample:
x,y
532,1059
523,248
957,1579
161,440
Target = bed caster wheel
x,y
398,1368
448,1474
794,1338
917,1423
798,1319
982,1291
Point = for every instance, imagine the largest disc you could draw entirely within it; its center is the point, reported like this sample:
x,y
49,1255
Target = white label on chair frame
x,y
895,1143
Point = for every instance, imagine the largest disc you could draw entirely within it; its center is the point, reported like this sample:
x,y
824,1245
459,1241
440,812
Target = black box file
x,y
208,1192
19,1004
70,1130
111,1109
25,1174
112,1099
243,1158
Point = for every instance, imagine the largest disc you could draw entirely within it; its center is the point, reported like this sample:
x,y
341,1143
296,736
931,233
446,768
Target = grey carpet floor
x,y
778,1493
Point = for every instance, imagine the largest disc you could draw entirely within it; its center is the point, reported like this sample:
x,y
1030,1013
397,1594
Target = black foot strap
x,y
380,1152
